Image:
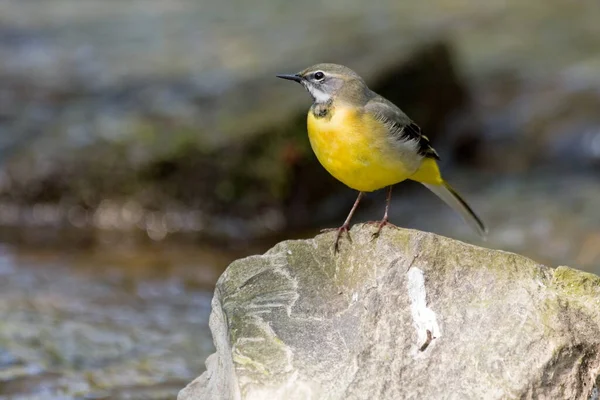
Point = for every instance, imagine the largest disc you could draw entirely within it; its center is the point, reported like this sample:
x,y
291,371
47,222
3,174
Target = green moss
x,y
576,283
576,288
249,363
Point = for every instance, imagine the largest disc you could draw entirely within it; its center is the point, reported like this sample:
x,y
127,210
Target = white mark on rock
x,y
424,319
540,283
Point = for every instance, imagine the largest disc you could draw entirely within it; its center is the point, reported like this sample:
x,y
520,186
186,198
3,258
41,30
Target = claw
x,y
346,226
340,231
380,225
384,221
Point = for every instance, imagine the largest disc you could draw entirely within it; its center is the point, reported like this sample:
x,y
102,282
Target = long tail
x,y
429,175
453,199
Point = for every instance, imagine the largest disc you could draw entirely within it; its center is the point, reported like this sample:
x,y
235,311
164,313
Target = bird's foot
x,y
340,231
380,225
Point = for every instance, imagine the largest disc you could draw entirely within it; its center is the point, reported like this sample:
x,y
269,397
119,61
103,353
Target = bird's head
x,y
327,81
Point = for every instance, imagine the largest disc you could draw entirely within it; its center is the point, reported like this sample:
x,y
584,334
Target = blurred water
x,y
91,324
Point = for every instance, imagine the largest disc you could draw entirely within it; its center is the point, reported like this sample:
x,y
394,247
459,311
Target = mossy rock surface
x,y
408,315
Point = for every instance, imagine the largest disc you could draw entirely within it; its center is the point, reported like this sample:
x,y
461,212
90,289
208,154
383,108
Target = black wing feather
x,y
402,124
413,131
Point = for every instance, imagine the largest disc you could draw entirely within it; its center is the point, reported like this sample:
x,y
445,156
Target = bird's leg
x,y
384,221
346,226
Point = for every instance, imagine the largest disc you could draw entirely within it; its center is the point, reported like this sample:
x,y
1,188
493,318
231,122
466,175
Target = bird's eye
x,y
319,75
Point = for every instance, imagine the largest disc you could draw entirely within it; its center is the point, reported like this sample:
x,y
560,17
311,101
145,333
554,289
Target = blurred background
x,y
146,144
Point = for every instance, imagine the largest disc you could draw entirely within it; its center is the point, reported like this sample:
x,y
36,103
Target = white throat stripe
x,y
318,95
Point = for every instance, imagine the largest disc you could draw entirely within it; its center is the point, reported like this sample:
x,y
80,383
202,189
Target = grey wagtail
x,y
368,143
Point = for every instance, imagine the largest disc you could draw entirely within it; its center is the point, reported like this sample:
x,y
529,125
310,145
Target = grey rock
x,y
410,315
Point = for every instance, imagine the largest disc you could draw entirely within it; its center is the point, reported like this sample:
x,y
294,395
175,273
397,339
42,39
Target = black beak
x,y
294,77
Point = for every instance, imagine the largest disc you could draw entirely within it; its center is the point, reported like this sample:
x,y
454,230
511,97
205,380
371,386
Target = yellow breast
x,y
357,150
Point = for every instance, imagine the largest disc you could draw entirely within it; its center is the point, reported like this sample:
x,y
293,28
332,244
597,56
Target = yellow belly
x,y
357,150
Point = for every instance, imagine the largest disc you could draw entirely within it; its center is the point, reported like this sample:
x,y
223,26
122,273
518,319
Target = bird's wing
x,y
400,125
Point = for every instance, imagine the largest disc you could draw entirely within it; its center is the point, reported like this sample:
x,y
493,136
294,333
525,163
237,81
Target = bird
x,y
368,143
